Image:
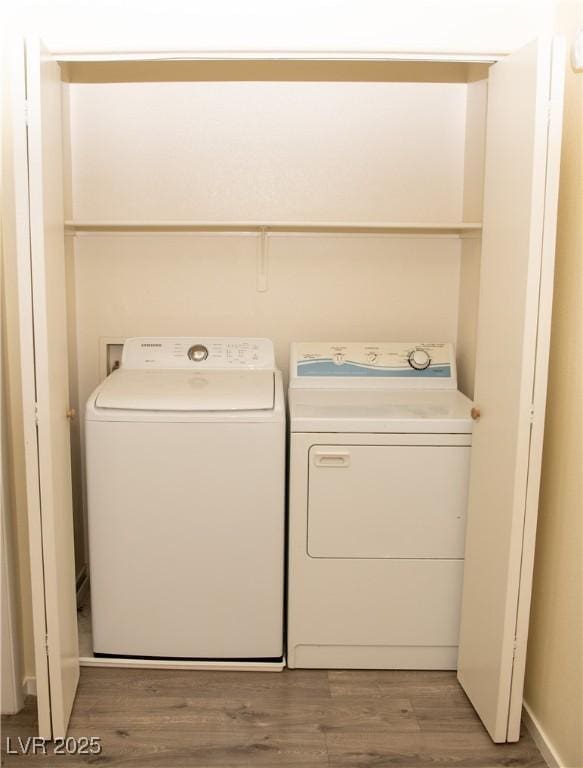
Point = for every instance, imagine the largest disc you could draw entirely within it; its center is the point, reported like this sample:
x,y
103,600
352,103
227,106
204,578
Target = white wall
x,y
264,151
267,151
320,287
303,25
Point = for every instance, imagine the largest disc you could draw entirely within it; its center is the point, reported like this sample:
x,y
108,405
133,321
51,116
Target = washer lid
x,y
176,390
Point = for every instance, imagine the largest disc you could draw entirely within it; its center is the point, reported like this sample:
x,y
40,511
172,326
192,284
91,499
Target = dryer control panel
x,y
403,365
201,353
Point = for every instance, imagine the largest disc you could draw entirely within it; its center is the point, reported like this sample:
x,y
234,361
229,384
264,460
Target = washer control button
x,y
372,357
338,358
197,353
419,359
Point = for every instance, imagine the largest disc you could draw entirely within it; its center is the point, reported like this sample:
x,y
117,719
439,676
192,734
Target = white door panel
x,y
47,265
539,398
16,221
518,210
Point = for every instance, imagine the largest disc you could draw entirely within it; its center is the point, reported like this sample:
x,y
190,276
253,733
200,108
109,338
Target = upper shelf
x,y
398,227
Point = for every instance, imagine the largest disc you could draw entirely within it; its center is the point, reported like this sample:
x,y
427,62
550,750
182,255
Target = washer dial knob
x,y
197,353
419,359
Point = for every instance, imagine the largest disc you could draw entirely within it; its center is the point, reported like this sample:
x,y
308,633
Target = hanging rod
x,y
275,226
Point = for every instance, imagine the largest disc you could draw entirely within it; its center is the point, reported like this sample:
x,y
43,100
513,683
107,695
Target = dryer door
x,y
387,501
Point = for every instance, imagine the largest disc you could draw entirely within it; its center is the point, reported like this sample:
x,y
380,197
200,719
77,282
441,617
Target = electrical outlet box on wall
x,y
110,351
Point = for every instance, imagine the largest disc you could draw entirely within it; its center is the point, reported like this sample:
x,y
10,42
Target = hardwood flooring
x,y
303,718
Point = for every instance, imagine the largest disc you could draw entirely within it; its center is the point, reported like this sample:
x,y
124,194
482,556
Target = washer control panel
x,y
198,353
426,365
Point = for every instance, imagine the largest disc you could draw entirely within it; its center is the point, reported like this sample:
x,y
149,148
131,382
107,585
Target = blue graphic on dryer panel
x,y
327,367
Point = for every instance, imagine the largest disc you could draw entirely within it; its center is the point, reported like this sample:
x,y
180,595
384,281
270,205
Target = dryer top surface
x,y
380,411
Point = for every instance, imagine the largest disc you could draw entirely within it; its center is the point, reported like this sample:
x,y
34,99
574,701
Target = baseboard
x,y
82,587
540,738
29,686
228,666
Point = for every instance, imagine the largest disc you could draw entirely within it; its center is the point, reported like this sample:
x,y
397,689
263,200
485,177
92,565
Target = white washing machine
x,y
379,465
185,447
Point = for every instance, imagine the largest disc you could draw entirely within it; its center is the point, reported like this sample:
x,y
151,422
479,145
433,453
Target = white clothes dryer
x,y
379,465
185,447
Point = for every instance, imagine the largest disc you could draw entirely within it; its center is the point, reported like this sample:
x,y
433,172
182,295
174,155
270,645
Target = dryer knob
x,y
419,359
198,353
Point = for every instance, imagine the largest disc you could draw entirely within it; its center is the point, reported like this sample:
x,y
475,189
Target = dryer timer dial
x,y
419,359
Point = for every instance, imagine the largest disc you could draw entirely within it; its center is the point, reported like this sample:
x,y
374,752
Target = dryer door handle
x,y
331,459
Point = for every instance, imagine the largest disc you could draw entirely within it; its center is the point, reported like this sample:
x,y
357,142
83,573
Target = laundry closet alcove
x,y
408,197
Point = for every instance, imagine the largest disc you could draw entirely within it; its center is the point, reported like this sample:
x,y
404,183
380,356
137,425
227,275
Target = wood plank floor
x,y
303,718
